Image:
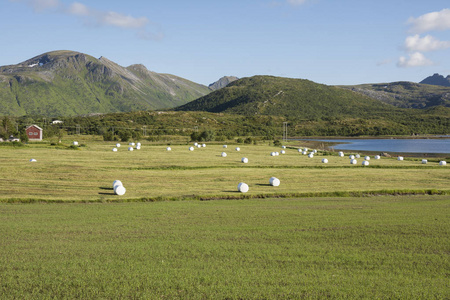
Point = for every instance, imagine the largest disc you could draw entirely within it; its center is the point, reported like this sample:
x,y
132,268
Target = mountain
x,y
406,94
67,83
292,98
437,79
222,82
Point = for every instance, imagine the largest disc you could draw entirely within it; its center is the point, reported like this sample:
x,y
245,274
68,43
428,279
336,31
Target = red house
x,y
34,133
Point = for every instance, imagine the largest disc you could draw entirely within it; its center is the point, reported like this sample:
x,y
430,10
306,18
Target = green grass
x,y
384,247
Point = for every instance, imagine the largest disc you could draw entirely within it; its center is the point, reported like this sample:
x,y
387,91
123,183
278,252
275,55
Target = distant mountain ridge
x,y
67,83
437,79
222,82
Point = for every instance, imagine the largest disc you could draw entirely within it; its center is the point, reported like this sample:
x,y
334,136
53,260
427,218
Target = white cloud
x,y
296,2
415,59
425,44
79,9
439,20
120,20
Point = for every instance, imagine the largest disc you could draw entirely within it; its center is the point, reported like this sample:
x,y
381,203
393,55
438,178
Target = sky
x,y
326,41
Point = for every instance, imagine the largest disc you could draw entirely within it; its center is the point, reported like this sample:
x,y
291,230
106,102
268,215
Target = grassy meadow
x,y
328,231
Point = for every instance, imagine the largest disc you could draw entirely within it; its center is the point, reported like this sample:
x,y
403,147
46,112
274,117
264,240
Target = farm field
x,y
378,247
152,173
328,231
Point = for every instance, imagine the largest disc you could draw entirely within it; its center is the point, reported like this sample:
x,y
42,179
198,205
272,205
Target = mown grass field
x,y
152,172
308,238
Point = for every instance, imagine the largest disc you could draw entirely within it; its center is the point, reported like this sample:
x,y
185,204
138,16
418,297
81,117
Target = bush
x,y
277,143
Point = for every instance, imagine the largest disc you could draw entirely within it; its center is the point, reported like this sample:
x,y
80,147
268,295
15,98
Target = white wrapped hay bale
x,y
75,143
424,161
353,161
132,144
242,187
225,146
306,149
442,163
118,145
223,154
195,144
244,160
300,150
191,148
138,147
400,158
114,149
273,181
365,163
377,157
238,149
33,160
138,144
199,146
203,145
130,148
315,151
325,161
283,152
311,155
119,190
351,156
168,149
341,154
272,154
357,156
305,152
283,147
277,153
367,157
116,183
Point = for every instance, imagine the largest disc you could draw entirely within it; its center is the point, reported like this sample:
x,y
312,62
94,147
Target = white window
x,y
35,133
30,133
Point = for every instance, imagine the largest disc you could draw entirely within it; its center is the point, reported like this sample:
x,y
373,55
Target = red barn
x,y
34,133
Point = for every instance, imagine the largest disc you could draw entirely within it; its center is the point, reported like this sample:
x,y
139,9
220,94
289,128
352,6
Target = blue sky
x,y
326,41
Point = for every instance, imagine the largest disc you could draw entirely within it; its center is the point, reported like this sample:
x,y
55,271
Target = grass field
x,y
154,173
381,247
65,235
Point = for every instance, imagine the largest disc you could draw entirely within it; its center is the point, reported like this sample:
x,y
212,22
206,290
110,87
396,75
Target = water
x,y
394,145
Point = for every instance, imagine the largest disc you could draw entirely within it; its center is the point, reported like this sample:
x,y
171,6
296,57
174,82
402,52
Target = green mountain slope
x,y
406,94
293,98
67,83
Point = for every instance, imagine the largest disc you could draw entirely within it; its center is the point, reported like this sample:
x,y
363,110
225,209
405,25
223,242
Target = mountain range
x,y
69,83
66,83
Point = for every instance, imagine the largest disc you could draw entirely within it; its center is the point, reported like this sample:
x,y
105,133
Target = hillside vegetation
x,y
406,94
67,83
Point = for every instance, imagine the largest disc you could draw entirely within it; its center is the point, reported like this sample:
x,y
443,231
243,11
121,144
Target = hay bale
x,y
118,145
244,160
315,151
357,156
351,156
353,161
272,153
367,157
195,144
283,147
424,161
130,148
119,190
225,146
203,145
138,147
283,152
242,187
116,182
341,154
33,160
365,163
238,149
138,144
305,152
442,163
325,161
311,155
273,181
168,149
277,153
199,146
377,157
131,144
191,148
114,149
223,154
300,150
400,158
75,143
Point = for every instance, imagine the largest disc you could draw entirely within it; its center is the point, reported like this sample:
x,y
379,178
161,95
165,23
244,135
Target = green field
x,y
65,235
